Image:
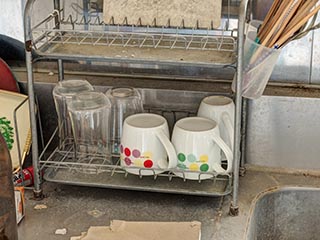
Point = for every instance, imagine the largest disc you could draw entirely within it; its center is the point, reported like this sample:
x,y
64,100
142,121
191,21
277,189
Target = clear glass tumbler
x,y
125,101
90,119
62,93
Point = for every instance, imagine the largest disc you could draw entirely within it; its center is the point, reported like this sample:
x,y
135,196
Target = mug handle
x,y
226,119
227,151
169,149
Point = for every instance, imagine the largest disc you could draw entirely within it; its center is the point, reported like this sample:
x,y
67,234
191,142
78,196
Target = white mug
x,y
221,110
198,146
145,145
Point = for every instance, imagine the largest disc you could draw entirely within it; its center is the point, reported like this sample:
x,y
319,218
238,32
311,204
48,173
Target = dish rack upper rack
x,y
77,33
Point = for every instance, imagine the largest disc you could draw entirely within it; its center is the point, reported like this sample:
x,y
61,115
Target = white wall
x,y
11,18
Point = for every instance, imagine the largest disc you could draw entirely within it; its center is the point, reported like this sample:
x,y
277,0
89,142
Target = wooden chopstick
x,y
268,25
268,17
290,32
303,11
277,24
284,23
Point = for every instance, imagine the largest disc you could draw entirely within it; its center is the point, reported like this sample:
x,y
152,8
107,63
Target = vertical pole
x,y
37,190
56,5
60,70
234,208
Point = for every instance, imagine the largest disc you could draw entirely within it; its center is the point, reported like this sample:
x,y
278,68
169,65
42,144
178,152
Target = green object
x,y
7,131
204,167
181,157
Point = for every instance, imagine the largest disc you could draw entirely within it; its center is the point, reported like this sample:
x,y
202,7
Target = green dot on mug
x,y
181,157
204,167
182,166
192,158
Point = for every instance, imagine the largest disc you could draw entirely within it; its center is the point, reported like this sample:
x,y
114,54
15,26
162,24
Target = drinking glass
x,y
62,93
125,101
90,120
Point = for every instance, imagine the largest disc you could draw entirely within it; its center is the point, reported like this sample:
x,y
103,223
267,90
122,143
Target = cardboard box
x,y
124,230
20,203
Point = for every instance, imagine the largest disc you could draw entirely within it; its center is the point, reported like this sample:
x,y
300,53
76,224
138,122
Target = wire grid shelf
x,y
86,32
70,167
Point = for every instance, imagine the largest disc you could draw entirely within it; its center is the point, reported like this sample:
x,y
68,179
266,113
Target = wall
x,y
284,132
11,18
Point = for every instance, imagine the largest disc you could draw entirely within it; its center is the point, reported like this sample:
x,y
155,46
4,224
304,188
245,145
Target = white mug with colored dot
x,y
198,146
145,147
221,110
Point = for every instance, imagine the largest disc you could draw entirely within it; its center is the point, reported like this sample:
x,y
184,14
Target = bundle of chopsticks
x,y
287,20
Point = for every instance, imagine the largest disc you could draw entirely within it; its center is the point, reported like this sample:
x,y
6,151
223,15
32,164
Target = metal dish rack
x,y
96,170
71,32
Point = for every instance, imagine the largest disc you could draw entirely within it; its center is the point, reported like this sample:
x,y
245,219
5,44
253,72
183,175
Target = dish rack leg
x,y
243,136
37,190
60,69
234,208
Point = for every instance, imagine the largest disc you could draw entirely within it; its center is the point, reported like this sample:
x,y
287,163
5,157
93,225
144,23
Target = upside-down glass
x,y
90,119
126,101
62,93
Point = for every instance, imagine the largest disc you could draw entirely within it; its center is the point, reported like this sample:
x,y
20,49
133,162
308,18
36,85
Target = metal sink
x,y
287,213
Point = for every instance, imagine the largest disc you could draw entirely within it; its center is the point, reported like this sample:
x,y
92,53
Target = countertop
x,y
77,208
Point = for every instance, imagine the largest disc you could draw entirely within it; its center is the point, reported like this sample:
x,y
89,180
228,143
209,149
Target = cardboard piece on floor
x,y
123,230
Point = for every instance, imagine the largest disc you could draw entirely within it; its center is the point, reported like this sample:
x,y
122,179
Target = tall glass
x,y
90,119
125,101
62,93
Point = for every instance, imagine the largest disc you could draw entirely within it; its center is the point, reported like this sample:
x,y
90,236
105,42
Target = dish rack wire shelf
x,y
95,170
74,30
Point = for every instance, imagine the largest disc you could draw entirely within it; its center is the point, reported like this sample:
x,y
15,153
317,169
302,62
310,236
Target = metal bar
x,y
60,69
56,5
54,14
86,13
37,190
48,144
243,136
234,208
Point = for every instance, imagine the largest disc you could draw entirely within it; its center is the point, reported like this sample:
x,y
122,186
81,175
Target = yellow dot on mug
x,y
194,167
204,158
138,163
147,155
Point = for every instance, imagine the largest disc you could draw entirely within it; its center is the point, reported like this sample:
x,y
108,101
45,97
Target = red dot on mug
x,y
148,164
127,152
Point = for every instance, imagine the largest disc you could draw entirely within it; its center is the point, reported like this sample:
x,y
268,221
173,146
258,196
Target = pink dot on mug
x,y
128,161
148,164
136,153
127,152
121,148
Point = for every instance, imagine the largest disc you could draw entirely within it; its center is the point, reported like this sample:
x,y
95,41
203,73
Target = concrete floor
x,y
78,208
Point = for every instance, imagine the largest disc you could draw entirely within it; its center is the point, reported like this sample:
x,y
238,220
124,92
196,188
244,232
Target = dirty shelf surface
x,y
78,208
